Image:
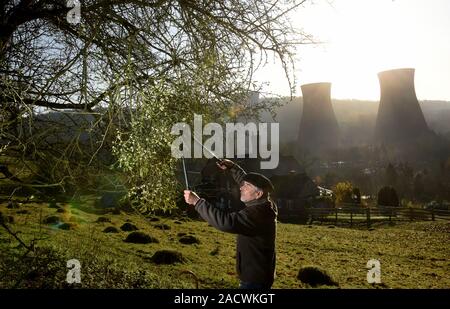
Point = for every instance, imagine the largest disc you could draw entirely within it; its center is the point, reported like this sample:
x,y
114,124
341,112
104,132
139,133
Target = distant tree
x,y
356,196
444,180
343,192
419,187
387,196
305,158
329,180
427,185
405,179
365,182
391,175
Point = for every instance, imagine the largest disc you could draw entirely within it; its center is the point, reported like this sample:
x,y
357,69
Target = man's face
x,y
249,192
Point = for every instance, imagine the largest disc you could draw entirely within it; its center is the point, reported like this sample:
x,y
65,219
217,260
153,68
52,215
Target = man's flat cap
x,y
259,181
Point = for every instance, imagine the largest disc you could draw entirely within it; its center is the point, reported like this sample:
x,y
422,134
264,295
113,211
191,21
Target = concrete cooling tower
x,y
319,129
399,116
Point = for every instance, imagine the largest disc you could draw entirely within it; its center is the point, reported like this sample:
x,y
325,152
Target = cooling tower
x,y
399,116
319,129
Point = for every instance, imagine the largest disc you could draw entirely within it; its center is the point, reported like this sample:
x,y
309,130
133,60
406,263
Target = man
x,y
255,226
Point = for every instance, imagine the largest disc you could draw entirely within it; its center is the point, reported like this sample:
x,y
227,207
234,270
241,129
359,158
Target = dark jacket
x,y
256,229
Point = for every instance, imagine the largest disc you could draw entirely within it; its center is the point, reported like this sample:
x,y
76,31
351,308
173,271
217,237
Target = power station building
x,y
319,128
399,117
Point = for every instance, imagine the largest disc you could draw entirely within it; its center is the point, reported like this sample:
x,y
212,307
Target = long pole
x,y
184,164
208,150
185,173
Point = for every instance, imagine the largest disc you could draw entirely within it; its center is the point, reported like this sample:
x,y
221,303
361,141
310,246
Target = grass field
x,y
412,255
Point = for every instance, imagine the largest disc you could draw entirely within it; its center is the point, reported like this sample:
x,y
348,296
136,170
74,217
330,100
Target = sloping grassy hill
x,y
412,255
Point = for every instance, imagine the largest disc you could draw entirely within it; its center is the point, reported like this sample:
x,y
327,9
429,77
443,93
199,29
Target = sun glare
x,y
367,39
363,37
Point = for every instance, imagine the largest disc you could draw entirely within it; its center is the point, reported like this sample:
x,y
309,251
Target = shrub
x,y
345,193
43,268
387,196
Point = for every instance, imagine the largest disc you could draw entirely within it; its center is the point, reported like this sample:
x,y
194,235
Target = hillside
x,y
412,255
356,118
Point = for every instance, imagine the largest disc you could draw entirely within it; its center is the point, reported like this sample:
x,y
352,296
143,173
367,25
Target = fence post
x,y
351,217
411,214
390,215
432,213
336,216
368,216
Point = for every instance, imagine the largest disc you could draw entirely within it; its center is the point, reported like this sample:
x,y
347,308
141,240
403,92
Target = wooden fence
x,y
357,215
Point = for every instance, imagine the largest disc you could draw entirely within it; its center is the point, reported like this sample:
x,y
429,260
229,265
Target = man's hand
x,y
191,197
225,164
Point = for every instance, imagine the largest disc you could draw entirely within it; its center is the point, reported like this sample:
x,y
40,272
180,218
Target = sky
x,y
364,37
